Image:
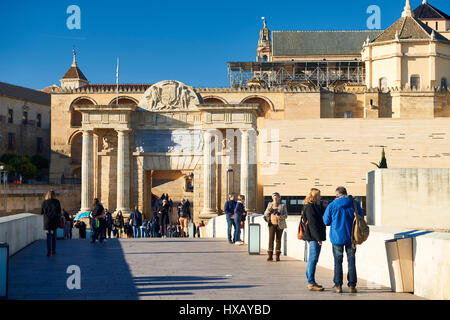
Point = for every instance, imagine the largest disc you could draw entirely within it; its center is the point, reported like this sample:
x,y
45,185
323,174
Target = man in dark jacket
x,y
230,205
96,214
136,221
339,215
184,216
164,217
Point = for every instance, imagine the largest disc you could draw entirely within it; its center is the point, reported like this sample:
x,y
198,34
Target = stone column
x,y
209,199
86,171
123,171
244,164
248,183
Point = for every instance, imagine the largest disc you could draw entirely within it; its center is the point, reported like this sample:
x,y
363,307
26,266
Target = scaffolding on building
x,y
296,73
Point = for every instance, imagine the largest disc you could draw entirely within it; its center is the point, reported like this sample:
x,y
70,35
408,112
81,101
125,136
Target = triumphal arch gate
x,y
128,151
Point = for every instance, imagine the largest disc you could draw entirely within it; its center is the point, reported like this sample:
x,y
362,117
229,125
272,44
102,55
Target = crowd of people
x,y
316,215
103,225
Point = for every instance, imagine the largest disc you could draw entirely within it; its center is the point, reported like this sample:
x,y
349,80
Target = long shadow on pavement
x,y
104,271
171,285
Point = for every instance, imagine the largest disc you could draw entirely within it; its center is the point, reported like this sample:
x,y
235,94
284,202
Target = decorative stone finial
x,y
264,22
433,35
424,2
74,63
407,11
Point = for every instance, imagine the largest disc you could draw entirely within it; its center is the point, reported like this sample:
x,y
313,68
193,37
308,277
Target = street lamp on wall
x,y
230,180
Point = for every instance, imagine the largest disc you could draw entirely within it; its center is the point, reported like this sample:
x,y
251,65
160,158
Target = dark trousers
x,y
231,224
51,240
108,231
163,229
96,232
275,233
338,253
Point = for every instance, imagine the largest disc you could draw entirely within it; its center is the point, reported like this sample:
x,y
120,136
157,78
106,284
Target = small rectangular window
x,y
10,115
25,118
437,26
415,82
39,145
39,120
11,141
348,114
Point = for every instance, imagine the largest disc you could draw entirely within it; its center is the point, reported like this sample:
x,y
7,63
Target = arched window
x,y
75,116
383,83
415,81
264,58
75,119
444,83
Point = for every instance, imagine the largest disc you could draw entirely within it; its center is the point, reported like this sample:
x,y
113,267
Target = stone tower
x,y
264,51
74,78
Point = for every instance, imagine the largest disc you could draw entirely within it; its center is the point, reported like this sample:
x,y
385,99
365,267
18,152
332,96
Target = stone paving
x,y
177,268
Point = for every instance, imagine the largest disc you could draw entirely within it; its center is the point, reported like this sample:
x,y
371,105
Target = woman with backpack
x,y
315,233
275,216
51,210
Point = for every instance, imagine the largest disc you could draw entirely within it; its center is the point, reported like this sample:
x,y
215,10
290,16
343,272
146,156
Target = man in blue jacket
x,y
339,215
229,211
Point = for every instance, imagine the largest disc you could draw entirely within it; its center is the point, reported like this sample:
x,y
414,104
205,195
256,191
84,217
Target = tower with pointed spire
x,y
434,18
74,78
407,11
264,50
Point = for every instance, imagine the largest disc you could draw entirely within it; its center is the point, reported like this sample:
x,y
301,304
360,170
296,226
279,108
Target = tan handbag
x,y
301,229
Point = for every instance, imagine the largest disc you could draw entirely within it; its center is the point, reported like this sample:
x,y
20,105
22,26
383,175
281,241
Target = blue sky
x,y
189,41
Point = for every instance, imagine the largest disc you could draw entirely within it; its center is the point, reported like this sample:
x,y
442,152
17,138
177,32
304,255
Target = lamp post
x,y
4,178
230,180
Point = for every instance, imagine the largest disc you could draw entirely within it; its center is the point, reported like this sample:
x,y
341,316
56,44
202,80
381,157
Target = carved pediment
x,y
169,95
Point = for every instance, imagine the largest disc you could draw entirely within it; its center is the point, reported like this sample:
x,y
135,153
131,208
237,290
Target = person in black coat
x,y
315,233
97,213
164,217
51,210
108,223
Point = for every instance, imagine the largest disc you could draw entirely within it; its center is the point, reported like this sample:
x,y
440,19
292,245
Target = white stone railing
x,y
431,254
20,230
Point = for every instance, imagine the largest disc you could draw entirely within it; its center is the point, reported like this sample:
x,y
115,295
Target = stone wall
x,y
326,153
20,230
409,198
29,198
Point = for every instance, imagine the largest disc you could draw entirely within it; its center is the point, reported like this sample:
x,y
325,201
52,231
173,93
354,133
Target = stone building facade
x,y
24,121
133,140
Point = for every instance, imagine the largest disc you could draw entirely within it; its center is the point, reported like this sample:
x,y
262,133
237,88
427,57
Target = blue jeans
x,y
237,227
136,233
96,232
143,231
313,258
231,224
338,253
51,240
68,230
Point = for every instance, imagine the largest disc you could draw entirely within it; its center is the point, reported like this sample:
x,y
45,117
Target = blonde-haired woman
x,y
275,215
315,233
51,210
